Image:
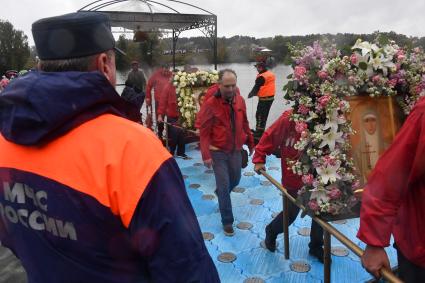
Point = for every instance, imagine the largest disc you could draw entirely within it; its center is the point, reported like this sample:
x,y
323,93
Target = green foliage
x,y
148,51
14,50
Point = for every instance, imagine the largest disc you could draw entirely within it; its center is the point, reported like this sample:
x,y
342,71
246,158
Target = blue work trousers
x,y
227,171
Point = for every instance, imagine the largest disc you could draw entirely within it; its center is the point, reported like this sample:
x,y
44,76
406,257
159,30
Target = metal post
x,y
166,132
174,49
215,43
286,225
327,256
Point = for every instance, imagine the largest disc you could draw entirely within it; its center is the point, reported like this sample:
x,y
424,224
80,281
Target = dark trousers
x,y
276,226
263,109
227,171
175,138
160,126
408,271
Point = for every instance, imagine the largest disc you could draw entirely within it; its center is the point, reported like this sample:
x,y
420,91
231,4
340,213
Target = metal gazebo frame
x,y
151,21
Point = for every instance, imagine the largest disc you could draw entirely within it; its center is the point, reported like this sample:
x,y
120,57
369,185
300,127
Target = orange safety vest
x,y
269,87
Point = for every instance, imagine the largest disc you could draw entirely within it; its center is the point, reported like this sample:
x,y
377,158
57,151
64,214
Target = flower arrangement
x,y
185,84
321,81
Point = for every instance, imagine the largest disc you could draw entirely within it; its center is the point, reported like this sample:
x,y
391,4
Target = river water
x,y
246,77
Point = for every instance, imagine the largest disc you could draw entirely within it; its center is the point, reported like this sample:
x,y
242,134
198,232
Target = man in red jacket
x,y
158,82
224,130
393,202
168,107
282,135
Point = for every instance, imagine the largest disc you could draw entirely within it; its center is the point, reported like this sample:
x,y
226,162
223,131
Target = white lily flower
x,y
320,195
329,173
331,138
365,47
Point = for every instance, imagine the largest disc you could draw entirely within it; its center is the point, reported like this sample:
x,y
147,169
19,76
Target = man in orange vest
x,y
265,89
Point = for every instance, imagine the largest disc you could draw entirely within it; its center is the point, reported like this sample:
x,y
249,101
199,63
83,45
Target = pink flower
x,y
299,72
322,75
329,160
399,52
343,105
314,205
324,100
353,59
304,134
376,79
300,127
400,57
356,184
302,109
418,89
334,193
392,82
307,179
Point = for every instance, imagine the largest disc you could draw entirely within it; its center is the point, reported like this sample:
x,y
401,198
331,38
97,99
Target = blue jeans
x,y
227,171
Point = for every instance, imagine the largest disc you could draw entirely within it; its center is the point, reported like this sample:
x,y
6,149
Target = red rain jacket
x,y
215,126
168,102
281,134
157,82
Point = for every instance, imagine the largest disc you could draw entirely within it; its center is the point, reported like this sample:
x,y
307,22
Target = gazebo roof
x,y
146,15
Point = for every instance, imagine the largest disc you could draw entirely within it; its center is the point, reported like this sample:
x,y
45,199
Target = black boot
x,y
270,240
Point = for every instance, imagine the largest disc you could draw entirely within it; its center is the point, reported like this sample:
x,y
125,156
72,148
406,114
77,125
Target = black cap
x,y
73,35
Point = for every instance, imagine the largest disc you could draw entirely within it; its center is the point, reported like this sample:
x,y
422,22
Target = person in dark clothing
x,y
86,194
265,89
136,77
133,94
282,135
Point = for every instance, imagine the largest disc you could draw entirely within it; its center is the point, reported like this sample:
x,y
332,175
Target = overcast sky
x,y
262,18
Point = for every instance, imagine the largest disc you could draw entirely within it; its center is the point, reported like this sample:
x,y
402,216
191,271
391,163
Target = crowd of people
x,y
100,198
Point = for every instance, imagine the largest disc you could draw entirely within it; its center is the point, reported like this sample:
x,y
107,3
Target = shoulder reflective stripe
x,y
109,158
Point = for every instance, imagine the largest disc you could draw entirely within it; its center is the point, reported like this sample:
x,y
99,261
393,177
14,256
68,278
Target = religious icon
x,y
376,122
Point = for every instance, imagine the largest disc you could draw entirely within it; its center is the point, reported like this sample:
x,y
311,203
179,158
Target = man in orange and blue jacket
x,y
86,195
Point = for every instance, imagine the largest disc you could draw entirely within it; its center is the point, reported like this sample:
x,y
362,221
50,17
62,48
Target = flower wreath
x,y
321,81
185,84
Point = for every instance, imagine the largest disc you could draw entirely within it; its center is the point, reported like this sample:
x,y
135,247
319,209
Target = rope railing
x,y
329,229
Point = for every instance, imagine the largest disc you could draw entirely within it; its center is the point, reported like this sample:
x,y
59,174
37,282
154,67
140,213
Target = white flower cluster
x,y
185,83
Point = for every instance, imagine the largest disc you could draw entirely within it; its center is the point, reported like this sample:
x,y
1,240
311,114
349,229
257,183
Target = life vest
x,y
269,87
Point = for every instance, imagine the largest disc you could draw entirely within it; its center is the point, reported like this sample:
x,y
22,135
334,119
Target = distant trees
x,y
14,50
147,51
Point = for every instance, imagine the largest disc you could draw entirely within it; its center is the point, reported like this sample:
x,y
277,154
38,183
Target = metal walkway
x,y
255,201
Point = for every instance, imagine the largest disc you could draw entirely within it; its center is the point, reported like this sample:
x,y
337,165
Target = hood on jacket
x,y
41,106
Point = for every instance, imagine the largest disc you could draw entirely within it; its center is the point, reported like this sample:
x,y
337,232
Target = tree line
x,y
155,48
